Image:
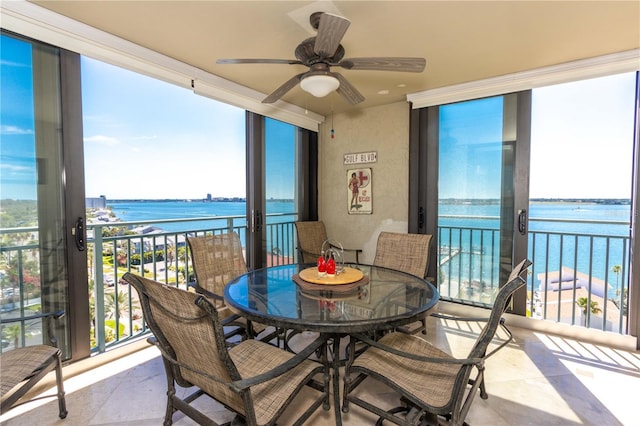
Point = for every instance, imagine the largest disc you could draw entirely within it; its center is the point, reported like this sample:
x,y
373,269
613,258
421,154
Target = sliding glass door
x,y
476,211
42,203
281,168
281,154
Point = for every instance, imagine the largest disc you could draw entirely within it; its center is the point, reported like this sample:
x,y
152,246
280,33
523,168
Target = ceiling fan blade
x,y
282,90
347,91
259,61
330,32
384,64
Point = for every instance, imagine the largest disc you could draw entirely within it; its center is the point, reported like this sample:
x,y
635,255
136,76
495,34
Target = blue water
x,y
592,252
134,211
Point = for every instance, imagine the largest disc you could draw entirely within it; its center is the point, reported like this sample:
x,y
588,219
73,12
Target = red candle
x,y
331,266
322,266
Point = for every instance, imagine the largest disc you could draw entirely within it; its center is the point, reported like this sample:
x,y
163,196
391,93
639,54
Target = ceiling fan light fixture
x,y
319,85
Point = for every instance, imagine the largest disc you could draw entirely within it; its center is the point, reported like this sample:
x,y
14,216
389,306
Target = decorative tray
x,y
347,276
343,288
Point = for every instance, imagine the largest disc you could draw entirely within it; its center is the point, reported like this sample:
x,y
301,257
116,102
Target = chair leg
x,y
171,391
483,390
168,415
62,405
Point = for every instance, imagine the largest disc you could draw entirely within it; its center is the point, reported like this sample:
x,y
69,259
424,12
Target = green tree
x,y
92,302
583,302
12,332
616,269
115,304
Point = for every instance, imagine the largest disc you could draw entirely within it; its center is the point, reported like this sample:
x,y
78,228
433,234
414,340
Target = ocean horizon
x,y
581,217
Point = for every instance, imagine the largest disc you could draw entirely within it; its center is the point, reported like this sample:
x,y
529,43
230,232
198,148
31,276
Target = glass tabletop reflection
x,y
386,299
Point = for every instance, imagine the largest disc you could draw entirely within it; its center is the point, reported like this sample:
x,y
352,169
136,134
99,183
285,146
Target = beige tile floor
x,y
540,379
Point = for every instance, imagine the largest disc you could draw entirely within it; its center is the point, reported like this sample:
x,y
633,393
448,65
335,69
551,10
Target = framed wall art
x,y
359,191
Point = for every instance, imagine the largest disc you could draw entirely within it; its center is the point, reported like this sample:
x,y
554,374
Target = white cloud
x,y
103,140
144,138
6,63
14,130
14,168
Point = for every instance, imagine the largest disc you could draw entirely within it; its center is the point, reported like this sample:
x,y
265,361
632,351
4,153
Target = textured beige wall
x,y
382,129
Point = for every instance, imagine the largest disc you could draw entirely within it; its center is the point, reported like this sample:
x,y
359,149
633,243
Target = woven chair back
x,y
403,252
217,259
189,335
311,235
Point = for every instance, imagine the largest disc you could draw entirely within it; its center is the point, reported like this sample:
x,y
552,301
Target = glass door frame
x,y
58,140
634,270
305,192
424,175
75,210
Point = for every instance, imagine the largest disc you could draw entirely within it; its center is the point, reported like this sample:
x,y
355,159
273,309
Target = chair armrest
x,y
316,255
477,319
207,293
459,361
300,357
350,250
356,252
240,385
49,316
226,321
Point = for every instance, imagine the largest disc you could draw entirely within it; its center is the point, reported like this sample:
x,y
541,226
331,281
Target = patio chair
x,y
403,252
311,236
433,385
253,379
407,253
217,259
22,368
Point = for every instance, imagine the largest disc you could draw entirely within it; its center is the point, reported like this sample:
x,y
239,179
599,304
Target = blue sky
x,y
470,149
582,139
581,142
17,172
151,139
145,138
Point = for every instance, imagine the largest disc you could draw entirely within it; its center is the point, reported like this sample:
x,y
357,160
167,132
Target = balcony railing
x,y
163,256
114,248
577,278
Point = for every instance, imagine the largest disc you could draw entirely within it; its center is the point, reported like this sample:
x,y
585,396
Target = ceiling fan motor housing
x,y
305,53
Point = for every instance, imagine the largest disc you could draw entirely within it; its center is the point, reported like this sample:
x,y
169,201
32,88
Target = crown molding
x,y
36,22
615,63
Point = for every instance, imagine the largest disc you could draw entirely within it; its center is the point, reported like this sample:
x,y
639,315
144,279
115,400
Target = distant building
x,y
96,203
155,239
208,197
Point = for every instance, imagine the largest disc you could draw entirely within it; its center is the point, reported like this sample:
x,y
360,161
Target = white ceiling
x,y
461,41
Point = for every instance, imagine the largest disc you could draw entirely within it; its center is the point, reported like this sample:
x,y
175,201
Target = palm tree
x,y
111,301
616,269
12,332
582,303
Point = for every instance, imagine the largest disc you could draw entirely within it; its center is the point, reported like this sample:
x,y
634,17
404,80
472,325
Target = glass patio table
x,y
382,299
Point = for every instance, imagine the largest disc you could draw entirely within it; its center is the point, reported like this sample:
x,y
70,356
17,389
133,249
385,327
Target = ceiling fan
x,y
324,51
